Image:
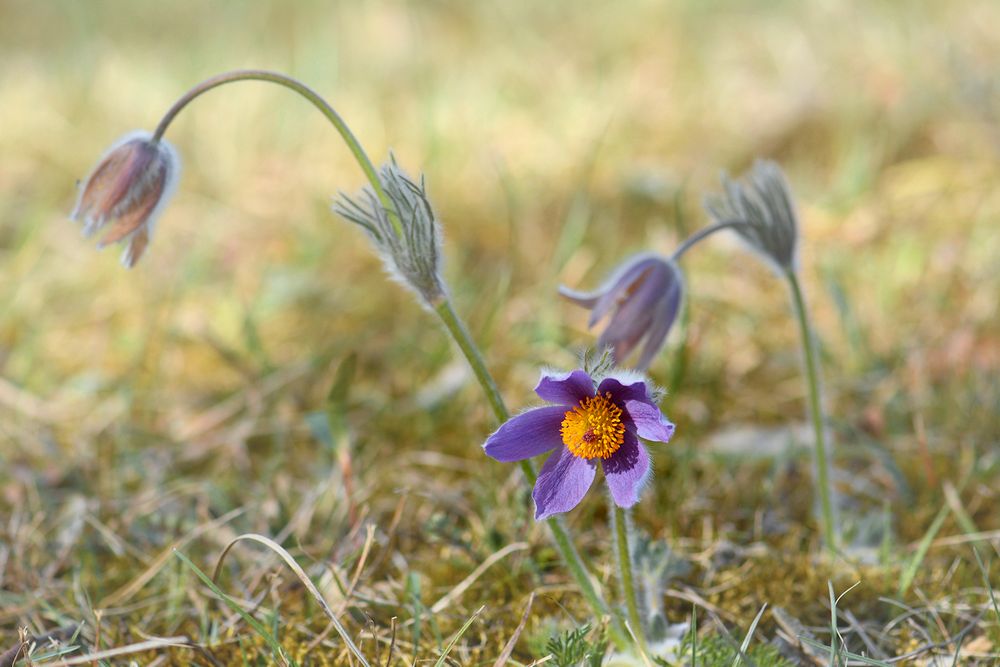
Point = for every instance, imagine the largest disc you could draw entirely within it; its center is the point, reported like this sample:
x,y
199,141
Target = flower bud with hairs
x,y
413,256
763,203
129,187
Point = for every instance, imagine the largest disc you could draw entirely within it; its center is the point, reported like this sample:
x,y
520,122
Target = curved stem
x,y
305,91
621,521
572,558
821,455
700,234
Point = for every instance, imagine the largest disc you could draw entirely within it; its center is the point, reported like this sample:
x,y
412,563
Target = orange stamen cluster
x,y
594,428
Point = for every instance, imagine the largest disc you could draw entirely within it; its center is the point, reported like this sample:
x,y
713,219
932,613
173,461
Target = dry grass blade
x,y
13,654
512,642
639,648
458,635
454,593
8,657
134,586
852,658
392,642
793,631
303,577
365,551
834,633
745,646
24,403
149,645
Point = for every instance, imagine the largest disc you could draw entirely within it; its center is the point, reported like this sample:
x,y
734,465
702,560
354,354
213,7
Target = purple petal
x,y
649,421
565,388
627,471
627,327
637,311
624,388
663,319
562,483
528,434
619,283
656,336
585,299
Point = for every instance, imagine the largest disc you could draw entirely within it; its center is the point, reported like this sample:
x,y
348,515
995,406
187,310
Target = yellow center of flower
x,y
594,428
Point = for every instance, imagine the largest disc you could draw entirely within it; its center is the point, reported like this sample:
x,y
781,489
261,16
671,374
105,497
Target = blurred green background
x,y
556,138
525,117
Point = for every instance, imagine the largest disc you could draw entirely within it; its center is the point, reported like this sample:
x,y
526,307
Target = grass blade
x,y
853,657
458,635
257,626
749,636
512,642
918,558
306,581
986,580
834,652
694,635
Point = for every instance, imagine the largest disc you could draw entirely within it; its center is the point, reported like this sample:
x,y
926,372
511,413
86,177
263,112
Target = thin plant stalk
x,y
305,91
574,563
461,336
824,487
623,526
701,234
456,328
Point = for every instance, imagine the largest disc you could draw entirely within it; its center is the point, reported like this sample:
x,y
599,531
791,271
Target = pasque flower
x,y
763,203
129,187
411,255
586,425
644,294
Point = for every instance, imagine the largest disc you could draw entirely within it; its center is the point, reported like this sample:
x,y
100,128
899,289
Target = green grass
x,y
204,395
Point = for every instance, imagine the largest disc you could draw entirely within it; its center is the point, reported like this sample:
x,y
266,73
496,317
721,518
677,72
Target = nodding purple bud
x,y
129,187
643,296
763,203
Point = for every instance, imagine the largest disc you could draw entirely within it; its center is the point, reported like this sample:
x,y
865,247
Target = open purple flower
x,y
645,294
586,425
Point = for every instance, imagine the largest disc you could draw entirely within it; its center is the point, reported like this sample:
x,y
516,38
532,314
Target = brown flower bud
x,y
127,191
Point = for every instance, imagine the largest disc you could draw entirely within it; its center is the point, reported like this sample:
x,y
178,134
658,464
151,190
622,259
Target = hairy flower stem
x,y
821,454
623,526
305,91
690,241
572,558
465,343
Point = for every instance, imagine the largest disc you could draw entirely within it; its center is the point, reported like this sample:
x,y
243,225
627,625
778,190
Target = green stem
x,y
621,520
702,233
574,563
305,91
465,343
821,455
576,567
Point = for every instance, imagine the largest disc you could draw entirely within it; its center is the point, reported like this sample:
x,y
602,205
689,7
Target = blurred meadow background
x,y
189,400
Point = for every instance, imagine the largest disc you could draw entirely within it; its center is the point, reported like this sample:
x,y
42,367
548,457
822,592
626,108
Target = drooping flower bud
x,y
645,293
764,203
410,252
129,187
